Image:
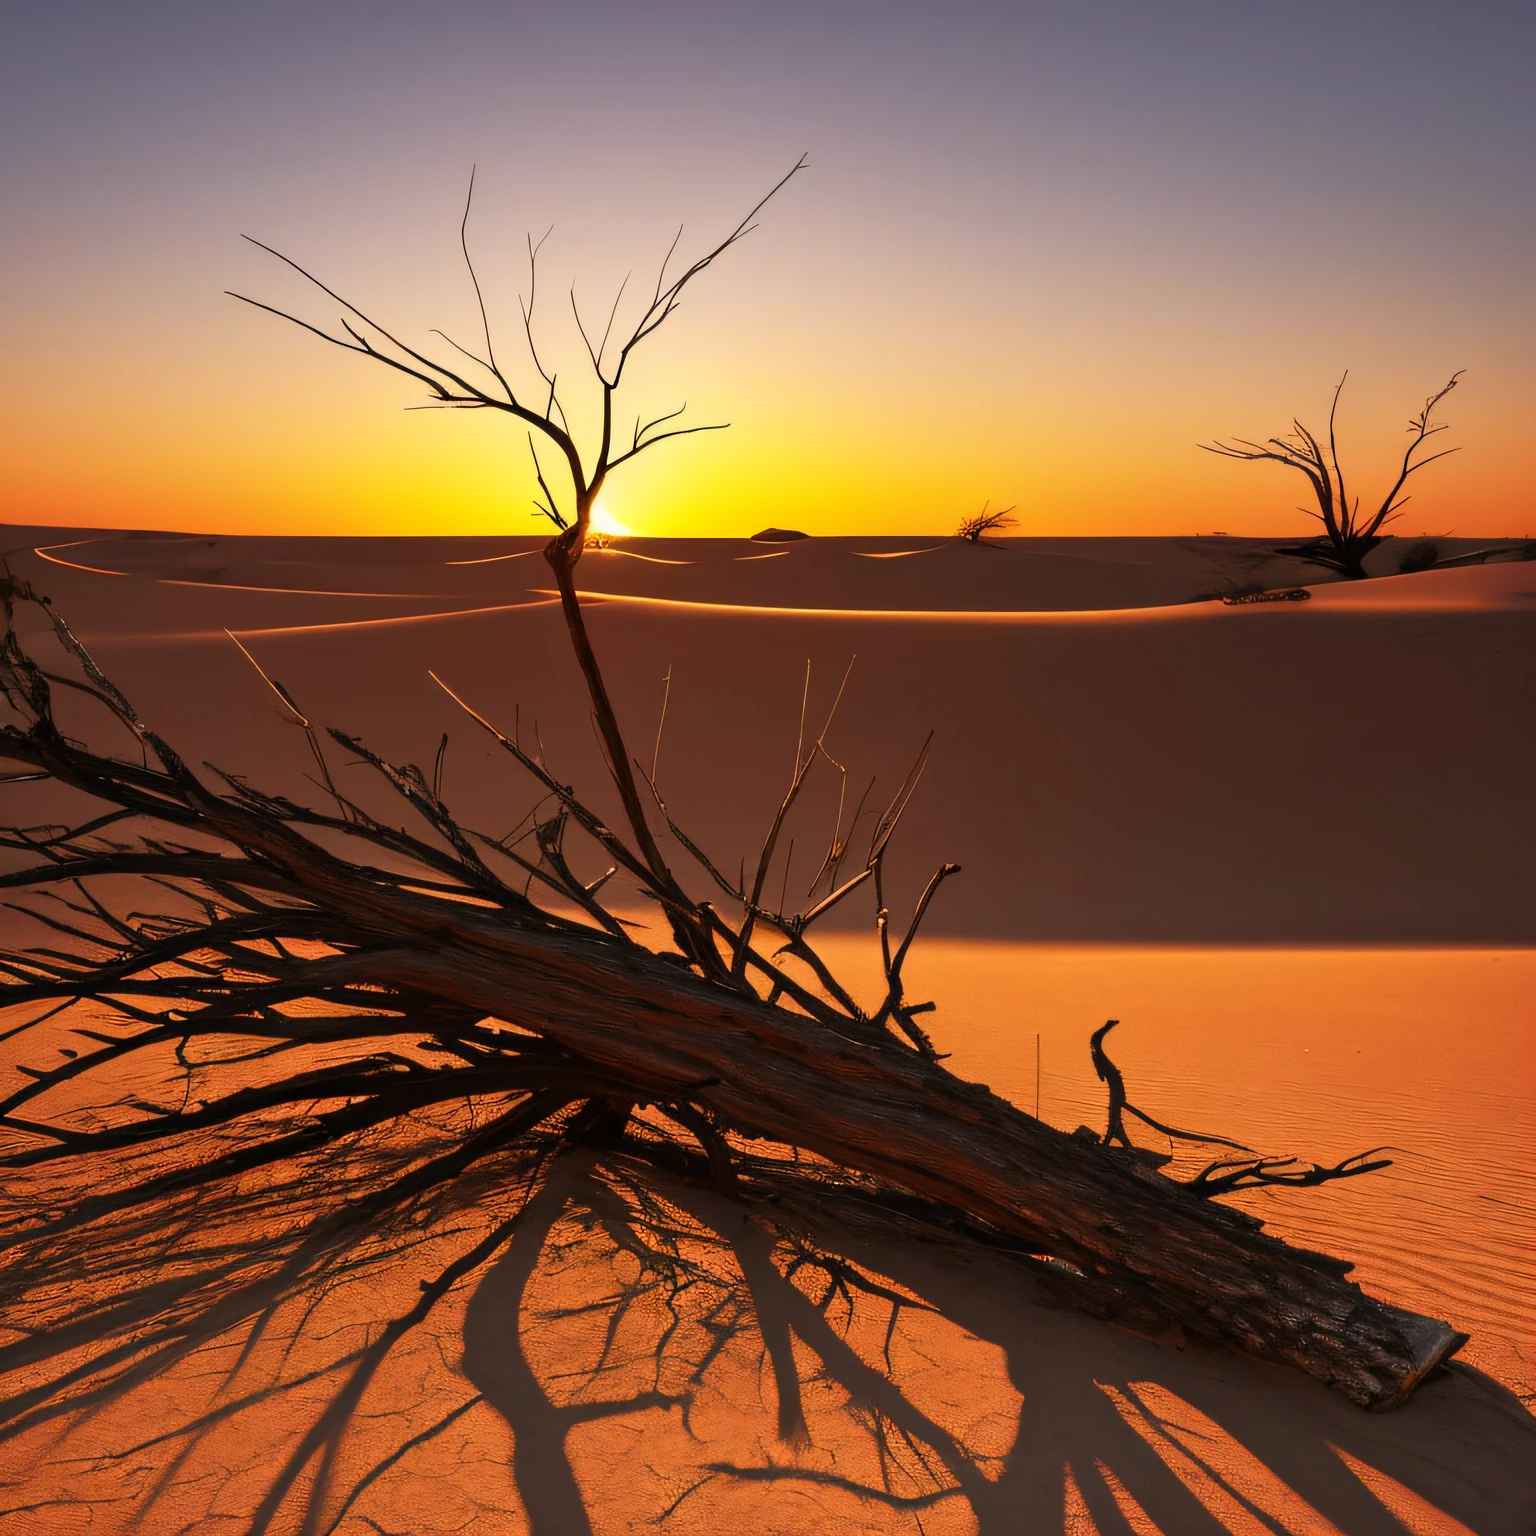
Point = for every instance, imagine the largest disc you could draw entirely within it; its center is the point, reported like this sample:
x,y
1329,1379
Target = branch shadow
x,y
569,1342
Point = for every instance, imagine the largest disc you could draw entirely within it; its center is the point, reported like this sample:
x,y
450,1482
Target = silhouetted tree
x,y
1347,537
545,416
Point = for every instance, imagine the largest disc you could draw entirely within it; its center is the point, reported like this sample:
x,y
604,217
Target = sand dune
x,y
1005,575
1111,760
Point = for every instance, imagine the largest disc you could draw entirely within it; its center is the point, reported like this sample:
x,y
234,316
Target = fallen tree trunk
x,y
426,938
1149,1253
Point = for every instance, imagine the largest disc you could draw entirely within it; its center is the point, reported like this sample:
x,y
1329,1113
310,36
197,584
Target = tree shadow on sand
x,y
569,1341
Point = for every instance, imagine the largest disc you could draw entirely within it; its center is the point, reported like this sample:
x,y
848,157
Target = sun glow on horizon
x,y
603,521
1071,358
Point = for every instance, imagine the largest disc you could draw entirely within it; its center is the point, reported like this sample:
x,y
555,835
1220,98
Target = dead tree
x,y
544,417
317,972
1347,537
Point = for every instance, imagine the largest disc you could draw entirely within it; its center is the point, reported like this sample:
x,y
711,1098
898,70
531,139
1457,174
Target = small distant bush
x,y
1418,557
972,528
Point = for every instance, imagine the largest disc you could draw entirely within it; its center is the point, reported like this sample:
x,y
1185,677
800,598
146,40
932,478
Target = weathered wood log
x,y
601,1020
1161,1255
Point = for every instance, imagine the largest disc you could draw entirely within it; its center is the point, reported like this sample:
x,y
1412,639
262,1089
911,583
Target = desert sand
x,y
1111,760
1256,832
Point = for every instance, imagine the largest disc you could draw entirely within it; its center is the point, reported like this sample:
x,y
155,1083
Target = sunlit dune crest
x,y
518,554
339,625
906,615
402,619
74,565
1510,584
234,586
634,554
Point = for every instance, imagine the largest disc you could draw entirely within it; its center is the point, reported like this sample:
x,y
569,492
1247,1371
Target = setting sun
x,y
603,521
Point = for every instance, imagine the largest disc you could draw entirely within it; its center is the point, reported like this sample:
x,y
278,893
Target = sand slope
x,y
1111,761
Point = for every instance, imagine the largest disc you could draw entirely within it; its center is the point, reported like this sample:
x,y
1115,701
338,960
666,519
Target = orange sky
x,y
1035,260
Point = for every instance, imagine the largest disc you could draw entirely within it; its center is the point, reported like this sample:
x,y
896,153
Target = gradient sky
x,y
1040,252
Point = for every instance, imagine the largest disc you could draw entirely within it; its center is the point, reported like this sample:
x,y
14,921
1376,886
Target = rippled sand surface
x,y
1314,1053
625,1354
